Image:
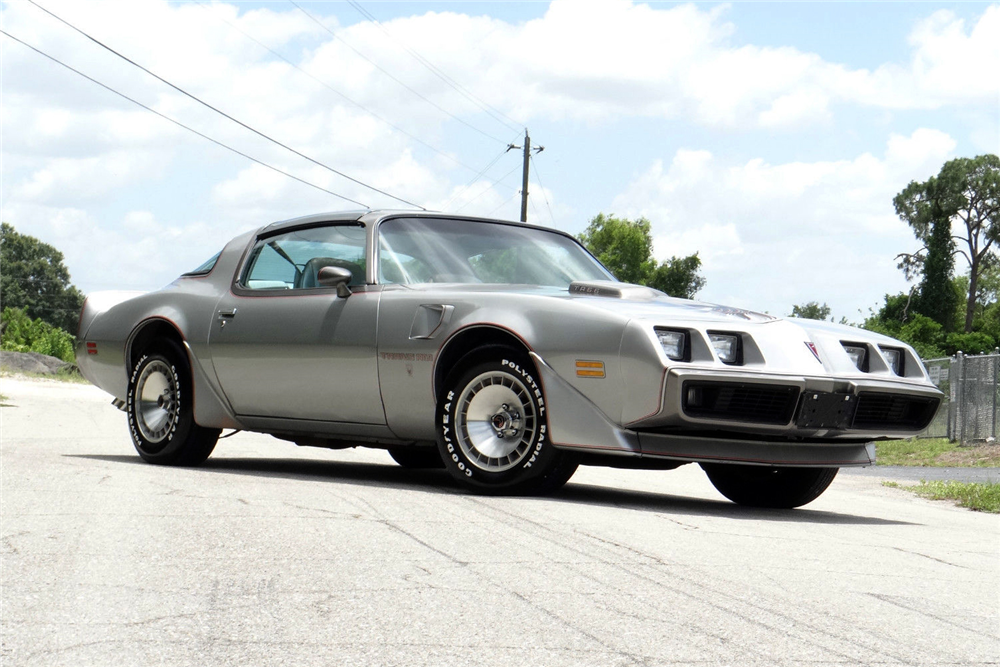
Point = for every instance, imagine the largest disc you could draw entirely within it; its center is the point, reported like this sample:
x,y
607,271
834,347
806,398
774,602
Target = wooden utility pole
x,y
524,177
524,171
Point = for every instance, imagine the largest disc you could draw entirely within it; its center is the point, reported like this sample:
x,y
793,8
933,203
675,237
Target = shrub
x,y
19,333
974,342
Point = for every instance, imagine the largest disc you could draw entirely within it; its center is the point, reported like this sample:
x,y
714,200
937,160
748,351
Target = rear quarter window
x,y
206,267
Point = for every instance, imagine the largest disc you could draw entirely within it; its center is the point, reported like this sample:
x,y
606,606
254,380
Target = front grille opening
x,y
751,403
894,412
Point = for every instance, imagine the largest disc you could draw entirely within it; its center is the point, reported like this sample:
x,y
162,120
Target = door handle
x,y
226,315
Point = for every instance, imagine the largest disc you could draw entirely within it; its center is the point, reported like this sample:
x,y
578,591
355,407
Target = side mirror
x,y
335,276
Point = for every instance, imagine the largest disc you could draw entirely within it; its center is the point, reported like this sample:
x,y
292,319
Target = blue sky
x,y
769,137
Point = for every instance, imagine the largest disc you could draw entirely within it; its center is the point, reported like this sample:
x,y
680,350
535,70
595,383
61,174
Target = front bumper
x,y
672,433
791,405
756,452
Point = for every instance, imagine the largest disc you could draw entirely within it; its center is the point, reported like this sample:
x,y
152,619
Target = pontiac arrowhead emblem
x,y
812,348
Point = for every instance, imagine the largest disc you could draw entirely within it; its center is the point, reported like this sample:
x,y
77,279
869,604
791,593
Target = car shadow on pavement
x,y
439,481
685,505
353,472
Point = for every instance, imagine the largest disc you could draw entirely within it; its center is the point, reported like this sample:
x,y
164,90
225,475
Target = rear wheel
x,y
415,458
160,407
761,486
492,429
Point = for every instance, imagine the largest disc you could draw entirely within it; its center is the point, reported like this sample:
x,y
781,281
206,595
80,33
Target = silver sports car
x,y
502,351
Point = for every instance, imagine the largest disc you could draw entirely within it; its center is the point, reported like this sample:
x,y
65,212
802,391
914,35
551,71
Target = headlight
x,y
858,354
726,346
674,343
894,357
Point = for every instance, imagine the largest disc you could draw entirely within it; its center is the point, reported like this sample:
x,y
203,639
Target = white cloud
x,y
800,107
64,180
75,154
771,235
137,250
595,61
583,60
951,63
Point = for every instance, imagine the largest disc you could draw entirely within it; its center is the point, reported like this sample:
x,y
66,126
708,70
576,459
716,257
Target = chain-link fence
x,y
971,386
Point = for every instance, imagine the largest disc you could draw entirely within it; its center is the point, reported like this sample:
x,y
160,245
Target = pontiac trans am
x,y
503,351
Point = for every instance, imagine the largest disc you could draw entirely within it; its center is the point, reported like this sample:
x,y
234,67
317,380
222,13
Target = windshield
x,y
429,250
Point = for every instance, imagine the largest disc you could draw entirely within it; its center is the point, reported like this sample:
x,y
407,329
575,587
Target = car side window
x,y
292,260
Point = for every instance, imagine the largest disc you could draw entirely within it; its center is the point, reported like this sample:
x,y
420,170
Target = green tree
x,y
963,197
625,247
928,337
678,276
938,298
924,206
33,278
811,311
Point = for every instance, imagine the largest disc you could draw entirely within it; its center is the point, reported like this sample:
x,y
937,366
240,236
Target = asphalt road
x,y
275,555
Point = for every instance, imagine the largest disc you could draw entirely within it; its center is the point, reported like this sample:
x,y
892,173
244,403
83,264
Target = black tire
x,y
416,458
508,449
762,486
559,475
160,407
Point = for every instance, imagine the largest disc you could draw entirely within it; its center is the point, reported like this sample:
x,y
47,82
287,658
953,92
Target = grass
x,y
936,452
976,496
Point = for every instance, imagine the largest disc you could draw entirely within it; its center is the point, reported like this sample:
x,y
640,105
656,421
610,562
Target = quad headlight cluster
x,y
728,348
858,353
676,345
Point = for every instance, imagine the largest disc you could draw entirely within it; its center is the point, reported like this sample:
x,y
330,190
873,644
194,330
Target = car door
x,y
285,346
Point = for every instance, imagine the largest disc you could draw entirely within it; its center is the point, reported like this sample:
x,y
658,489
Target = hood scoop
x,y
613,289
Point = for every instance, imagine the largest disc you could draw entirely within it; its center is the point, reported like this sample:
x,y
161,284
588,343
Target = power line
x,y
182,125
482,171
462,90
389,74
223,113
337,92
488,188
538,177
465,187
509,200
533,207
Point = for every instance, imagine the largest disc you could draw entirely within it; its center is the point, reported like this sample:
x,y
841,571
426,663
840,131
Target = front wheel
x,y
160,407
761,486
492,429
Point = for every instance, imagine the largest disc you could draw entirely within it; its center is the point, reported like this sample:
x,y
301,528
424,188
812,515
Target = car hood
x,y
647,304
622,299
643,304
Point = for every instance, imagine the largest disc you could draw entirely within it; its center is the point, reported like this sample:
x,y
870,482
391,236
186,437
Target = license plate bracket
x,y
823,409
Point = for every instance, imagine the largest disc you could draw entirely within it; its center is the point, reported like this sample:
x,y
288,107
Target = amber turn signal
x,y
590,369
